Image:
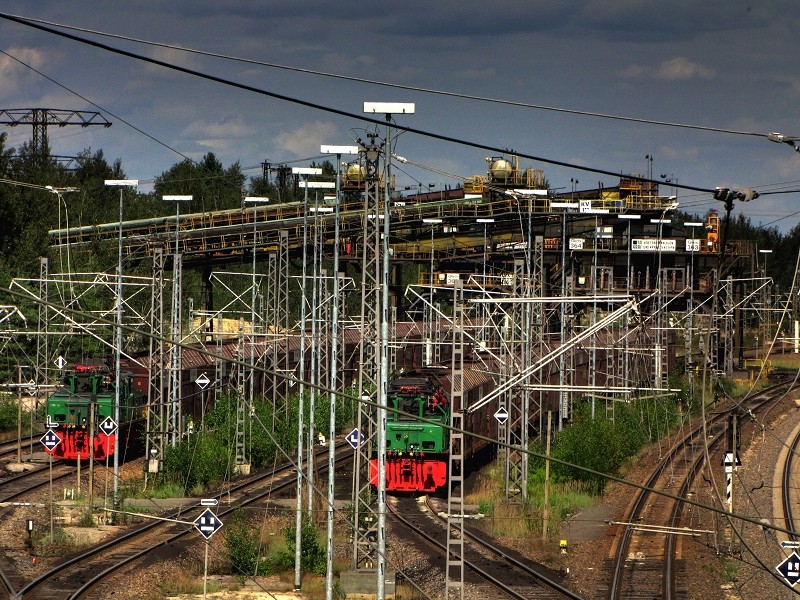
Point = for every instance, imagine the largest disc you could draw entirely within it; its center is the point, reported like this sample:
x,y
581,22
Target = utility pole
x,y
546,503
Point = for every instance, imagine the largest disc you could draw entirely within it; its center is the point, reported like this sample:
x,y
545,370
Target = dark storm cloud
x,y
720,64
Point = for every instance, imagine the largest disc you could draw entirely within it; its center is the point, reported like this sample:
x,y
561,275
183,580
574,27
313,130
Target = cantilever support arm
x,y
630,306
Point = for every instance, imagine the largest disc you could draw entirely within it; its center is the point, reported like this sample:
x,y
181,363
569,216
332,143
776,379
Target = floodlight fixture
x,y
389,108
765,251
328,149
784,139
432,221
484,220
306,171
121,182
327,185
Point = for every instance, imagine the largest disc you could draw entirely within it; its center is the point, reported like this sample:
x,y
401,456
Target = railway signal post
x,y
50,440
207,524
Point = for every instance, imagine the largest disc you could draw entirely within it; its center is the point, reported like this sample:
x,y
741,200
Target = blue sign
x,y
108,426
207,523
501,415
790,569
354,438
50,440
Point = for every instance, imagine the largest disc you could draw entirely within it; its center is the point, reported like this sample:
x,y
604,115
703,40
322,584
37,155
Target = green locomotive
x,y
418,439
83,403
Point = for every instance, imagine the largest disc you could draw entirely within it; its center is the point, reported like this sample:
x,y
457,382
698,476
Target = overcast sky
x,y
709,65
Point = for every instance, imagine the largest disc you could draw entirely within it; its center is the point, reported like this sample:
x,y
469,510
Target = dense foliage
x,y
9,413
206,457
242,545
602,444
246,556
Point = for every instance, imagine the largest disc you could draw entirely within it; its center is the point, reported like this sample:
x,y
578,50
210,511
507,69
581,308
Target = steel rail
x,y
179,514
765,397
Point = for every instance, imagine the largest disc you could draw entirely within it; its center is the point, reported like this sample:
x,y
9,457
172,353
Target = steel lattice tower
x,y
365,535
156,425
42,357
40,118
454,569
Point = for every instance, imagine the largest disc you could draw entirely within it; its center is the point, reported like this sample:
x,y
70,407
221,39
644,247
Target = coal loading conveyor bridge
x,y
232,235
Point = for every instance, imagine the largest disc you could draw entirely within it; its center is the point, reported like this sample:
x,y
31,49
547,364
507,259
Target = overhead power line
x,y
102,109
323,108
399,86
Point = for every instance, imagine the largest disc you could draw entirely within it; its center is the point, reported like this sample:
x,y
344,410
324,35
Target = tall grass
x,y
516,520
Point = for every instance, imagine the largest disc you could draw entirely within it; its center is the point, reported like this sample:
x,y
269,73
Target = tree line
x,y
29,212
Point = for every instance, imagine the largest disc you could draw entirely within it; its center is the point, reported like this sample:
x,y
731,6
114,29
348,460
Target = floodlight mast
x,y
388,109
338,151
304,171
175,357
253,298
122,184
316,262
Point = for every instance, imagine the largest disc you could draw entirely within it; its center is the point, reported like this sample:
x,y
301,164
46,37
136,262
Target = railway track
x,y
78,575
504,570
644,564
790,495
24,445
22,485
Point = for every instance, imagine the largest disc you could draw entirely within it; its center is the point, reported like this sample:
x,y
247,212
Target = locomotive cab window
x,y
407,405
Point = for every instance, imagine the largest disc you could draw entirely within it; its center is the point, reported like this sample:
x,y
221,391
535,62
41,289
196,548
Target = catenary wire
x,y
320,107
393,85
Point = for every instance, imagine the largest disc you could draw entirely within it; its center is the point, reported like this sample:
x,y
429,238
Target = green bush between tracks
x,y
204,459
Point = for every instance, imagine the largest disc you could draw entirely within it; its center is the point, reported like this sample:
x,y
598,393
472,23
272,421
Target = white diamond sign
x,y
202,381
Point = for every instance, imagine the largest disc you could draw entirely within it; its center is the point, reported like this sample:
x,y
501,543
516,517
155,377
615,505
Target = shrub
x,y
241,544
199,462
312,554
8,413
603,445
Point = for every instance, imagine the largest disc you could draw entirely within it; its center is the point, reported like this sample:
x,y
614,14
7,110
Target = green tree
x,y
241,544
199,462
312,553
211,186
